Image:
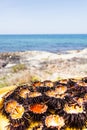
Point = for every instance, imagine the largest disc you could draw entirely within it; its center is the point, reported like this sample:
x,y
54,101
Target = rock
x,y
45,65
3,63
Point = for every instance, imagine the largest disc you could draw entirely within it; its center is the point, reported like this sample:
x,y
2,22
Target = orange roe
x,y
38,108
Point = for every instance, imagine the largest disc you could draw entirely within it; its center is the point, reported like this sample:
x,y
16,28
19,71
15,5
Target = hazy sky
x,y
43,16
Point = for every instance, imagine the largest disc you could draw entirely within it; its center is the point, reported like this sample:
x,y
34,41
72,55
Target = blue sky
x,y
43,16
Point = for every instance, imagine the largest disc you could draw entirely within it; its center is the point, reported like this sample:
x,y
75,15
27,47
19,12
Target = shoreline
x,y
55,52
23,67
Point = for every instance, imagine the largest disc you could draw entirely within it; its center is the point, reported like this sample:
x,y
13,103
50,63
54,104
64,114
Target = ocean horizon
x,y
55,43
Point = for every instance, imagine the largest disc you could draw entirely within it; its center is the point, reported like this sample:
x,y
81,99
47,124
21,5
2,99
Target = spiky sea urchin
x,y
43,86
37,111
35,97
54,122
56,98
16,114
75,115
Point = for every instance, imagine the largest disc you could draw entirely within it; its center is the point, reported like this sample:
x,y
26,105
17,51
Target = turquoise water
x,y
51,43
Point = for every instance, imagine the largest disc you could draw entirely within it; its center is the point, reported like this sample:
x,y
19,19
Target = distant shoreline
x,y
56,43
60,52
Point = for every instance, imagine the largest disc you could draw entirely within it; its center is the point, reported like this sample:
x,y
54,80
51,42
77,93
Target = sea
x,y
55,43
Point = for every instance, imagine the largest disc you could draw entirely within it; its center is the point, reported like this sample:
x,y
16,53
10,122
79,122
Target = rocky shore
x,y
22,67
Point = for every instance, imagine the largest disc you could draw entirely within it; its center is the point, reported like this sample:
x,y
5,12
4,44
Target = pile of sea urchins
x,y
47,105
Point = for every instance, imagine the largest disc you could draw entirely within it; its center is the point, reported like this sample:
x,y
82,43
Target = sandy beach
x,y
22,67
